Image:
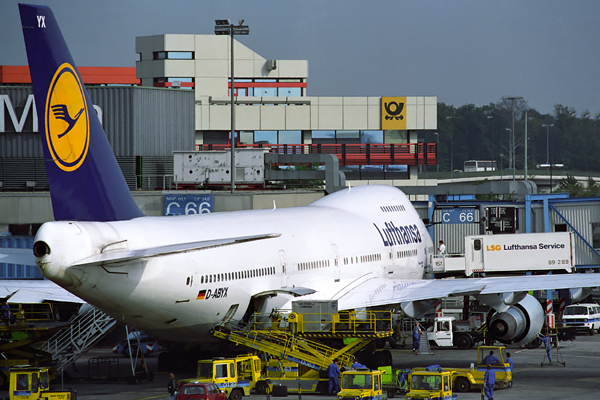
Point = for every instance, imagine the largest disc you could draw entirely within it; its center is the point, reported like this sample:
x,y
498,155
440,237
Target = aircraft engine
x,y
519,324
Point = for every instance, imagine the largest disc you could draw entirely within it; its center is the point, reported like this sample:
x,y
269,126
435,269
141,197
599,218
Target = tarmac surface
x,y
579,379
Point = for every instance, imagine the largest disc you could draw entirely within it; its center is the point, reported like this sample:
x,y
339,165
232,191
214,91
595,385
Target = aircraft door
x,y
230,313
477,255
336,264
284,275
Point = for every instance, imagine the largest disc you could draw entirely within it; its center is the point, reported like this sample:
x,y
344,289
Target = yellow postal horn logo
x,y
67,119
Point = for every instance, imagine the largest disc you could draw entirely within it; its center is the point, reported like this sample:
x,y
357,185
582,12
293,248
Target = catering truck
x,y
510,253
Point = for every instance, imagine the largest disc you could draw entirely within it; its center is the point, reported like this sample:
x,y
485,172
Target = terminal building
x,y
177,98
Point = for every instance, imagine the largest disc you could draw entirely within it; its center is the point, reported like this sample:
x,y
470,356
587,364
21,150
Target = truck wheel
x,y
236,394
462,384
391,393
260,387
464,342
591,332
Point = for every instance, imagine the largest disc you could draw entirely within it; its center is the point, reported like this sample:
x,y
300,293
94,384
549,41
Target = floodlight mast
x,y
513,98
225,27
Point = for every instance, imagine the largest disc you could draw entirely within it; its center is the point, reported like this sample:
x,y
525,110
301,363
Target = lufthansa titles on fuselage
x,y
392,235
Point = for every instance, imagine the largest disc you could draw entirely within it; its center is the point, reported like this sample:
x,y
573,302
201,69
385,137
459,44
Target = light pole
x,y
512,99
491,118
501,166
509,148
224,27
547,142
451,151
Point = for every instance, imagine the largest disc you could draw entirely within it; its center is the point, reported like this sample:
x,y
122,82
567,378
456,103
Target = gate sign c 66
x,y
188,204
458,216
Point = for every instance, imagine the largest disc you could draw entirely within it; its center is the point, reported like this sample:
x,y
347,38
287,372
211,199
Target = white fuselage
x,y
327,246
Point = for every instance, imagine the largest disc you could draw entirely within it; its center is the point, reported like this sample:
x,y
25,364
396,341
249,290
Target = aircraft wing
x,y
17,256
118,256
375,291
35,291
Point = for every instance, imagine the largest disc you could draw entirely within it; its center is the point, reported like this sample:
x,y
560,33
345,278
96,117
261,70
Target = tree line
x,y
485,133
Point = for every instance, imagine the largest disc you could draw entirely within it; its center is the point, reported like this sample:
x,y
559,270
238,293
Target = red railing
x,y
352,154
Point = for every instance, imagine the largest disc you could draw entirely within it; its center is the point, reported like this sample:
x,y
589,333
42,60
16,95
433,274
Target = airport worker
x,y
333,373
357,365
5,312
172,387
491,358
416,335
442,249
510,364
489,379
546,340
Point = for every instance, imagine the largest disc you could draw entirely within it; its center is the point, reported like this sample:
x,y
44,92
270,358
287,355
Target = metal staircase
x,y
86,330
424,346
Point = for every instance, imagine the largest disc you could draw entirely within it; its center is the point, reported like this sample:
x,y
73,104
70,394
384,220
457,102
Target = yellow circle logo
x,y
67,119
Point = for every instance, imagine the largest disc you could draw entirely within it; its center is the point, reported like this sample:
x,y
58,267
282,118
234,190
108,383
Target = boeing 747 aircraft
x,y
175,277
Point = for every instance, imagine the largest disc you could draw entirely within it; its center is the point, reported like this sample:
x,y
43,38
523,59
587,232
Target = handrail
x,y
351,153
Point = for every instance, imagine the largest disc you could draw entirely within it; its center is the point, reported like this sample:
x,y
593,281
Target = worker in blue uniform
x,y
546,340
333,372
510,365
416,336
489,379
491,358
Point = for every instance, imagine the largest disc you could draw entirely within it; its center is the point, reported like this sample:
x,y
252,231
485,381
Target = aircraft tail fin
x,y
86,183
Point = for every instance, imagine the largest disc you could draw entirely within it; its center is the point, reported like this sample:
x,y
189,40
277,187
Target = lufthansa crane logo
x,y
394,110
67,119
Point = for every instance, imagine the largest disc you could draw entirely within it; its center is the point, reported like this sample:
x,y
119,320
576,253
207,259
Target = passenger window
x,y
232,370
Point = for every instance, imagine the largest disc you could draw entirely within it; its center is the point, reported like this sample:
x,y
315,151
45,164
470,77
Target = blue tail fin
x,y
86,183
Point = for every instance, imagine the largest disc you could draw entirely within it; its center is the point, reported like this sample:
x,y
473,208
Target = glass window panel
x,y
180,55
246,137
371,136
159,55
266,80
180,79
265,137
323,137
290,137
395,136
290,92
596,235
347,137
265,92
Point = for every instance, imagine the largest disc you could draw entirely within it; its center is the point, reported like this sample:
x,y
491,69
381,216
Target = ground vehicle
x,y
585,316
236,376
480,166
511,253
444,332
430,385
464,379
360,384
200,391
29,383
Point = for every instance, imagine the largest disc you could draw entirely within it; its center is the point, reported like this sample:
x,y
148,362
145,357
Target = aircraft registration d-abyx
x,y
176,277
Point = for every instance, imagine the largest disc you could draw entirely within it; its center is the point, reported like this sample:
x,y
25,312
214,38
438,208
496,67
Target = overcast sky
x,y
462,51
